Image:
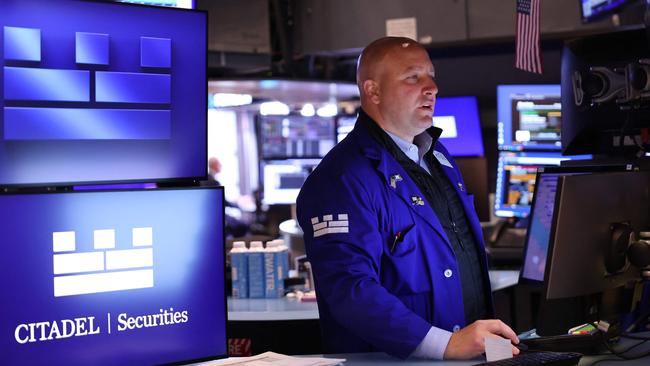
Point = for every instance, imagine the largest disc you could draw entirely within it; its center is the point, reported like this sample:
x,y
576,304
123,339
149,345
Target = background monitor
x,y
282,179
595,9
529,117
186,4
295,136
344,125
91,98
606,95
461,127
113,277
516,173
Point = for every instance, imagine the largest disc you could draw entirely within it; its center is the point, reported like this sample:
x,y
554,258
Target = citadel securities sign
x,y
85,326
102,270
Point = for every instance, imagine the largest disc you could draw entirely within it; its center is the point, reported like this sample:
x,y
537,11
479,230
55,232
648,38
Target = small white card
x,y
441,158
497,348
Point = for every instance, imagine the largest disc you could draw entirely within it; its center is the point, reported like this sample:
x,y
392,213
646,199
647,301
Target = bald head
x,y
397,86
370,61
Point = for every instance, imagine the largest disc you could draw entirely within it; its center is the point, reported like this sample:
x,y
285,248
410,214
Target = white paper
x,y
276,359
497,348
402,27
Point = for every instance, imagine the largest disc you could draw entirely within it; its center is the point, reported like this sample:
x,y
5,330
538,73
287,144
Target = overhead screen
x,y
88,97
113,277
595,9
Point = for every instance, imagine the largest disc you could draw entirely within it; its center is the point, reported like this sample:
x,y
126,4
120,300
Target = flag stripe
x,y
528,55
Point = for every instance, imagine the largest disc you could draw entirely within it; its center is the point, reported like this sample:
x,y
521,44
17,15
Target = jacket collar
x,y
375,145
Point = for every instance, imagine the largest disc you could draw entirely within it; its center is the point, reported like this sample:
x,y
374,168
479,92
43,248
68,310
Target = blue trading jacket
x,y
376,292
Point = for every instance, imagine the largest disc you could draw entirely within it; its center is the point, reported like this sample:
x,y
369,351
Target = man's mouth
x,y
427,106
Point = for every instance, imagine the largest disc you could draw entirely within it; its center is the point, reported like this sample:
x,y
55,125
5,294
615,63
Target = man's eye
x,y
412,77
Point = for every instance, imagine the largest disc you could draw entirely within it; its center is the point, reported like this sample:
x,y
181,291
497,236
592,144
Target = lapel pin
x,y
461,187
394,179
417,200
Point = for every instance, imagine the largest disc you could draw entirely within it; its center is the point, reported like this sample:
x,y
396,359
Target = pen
x,y
399,237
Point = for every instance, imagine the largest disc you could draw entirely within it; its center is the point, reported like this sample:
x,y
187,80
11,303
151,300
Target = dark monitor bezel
x,y
223,223
581,169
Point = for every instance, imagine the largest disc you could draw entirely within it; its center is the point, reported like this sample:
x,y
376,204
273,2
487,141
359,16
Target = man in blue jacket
x,y
389,227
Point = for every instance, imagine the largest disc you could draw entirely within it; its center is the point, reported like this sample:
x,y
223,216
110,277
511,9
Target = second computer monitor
x,y
458,118
282,179
516,172
529,117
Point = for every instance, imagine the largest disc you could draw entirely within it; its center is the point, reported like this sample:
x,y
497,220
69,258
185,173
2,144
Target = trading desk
x,y
378,358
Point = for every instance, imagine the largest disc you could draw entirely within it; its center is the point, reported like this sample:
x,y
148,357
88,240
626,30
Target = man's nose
x,y
431,88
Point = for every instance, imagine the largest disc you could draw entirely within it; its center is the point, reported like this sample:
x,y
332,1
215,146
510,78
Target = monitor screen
x,y
344,125
529,117
186,4
113,277
461,127
594,9
539,227
295,136
282,179
516,174
93,98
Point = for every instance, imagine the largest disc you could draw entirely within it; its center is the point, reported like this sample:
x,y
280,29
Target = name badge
x,y
442,159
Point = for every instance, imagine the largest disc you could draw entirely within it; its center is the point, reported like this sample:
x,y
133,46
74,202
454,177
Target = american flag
x,y
528,53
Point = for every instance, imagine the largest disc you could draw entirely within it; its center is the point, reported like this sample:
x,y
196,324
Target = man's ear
x,y
371,89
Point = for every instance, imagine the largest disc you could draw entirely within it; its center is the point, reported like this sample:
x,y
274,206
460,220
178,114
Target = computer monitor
x,y
282,179
186,4
515,186
295,136
570,252
605,95
595,9
541,217
586,208
461,127
344,125
113,277
529,117
87,97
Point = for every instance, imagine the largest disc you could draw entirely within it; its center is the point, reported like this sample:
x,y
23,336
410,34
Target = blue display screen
x,y
592,9
541,220
88,97
461,127
112,277
529,117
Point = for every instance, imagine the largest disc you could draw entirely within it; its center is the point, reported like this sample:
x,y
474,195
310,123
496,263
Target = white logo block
x,y
104,269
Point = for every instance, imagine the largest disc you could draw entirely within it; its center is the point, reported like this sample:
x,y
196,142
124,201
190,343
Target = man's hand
x,y
469,342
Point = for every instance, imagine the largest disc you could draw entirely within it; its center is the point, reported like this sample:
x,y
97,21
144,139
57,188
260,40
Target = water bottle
x,y
274,287
239,270
256,279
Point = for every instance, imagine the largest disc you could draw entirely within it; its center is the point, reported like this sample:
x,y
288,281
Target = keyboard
x,y
538,358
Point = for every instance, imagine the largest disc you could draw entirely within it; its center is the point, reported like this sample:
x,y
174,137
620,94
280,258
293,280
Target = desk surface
x,y
378,358
292,309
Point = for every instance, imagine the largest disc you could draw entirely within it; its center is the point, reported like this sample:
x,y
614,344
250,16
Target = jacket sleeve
x,y
346,263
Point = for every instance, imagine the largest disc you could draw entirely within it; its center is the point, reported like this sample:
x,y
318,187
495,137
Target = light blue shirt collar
x,y
415,152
